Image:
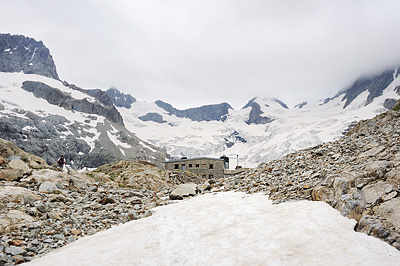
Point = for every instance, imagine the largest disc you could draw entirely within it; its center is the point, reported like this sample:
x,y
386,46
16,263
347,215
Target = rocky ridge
x,y
57,97
213,112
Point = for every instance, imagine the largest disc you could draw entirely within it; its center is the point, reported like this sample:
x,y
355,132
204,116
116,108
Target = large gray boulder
x,y
47,187
15,194
18,164
183,190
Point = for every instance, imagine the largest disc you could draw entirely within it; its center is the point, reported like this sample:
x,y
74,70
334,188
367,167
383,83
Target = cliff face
x,y
57,97
22,54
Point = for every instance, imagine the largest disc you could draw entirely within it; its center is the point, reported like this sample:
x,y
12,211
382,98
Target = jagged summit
x,y
120,99
373,86
22,54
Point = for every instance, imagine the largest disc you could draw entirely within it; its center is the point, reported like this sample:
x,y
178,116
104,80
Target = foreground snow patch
x,y
230,229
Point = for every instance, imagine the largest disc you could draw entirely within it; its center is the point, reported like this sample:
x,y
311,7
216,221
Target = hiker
x,y
61,162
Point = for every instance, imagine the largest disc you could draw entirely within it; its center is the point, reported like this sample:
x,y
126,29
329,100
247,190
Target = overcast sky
x,y
192,53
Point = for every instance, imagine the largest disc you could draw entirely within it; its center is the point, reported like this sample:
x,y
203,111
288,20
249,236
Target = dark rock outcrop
x,y
389,103
234,138
57,97
300,105
374,85
155,117
215,112
120,99
281,103
19,53
255,114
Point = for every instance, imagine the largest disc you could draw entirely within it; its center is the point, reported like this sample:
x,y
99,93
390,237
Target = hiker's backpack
x,y
60,161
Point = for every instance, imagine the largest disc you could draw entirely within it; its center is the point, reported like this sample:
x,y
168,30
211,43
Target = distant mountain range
x,y
48,117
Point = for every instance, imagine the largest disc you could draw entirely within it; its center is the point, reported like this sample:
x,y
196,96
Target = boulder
x,y
393,176
350,207
322,193
18,164
11,174
14,219
371,225
47,187
15,250
48,175
15,194
183,190
390,210
374,192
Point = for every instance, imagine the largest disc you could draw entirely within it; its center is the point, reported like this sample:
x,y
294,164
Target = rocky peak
x,y
374,85
255,116
120,99
22,54
214,112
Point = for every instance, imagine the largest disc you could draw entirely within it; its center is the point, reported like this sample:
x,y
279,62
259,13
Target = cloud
x,y
192,53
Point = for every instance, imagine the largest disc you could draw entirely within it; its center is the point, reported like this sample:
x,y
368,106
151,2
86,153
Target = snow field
x,y
230,228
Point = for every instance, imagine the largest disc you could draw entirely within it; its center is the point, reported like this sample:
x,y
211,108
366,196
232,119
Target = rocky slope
x,y
359,175
44,208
